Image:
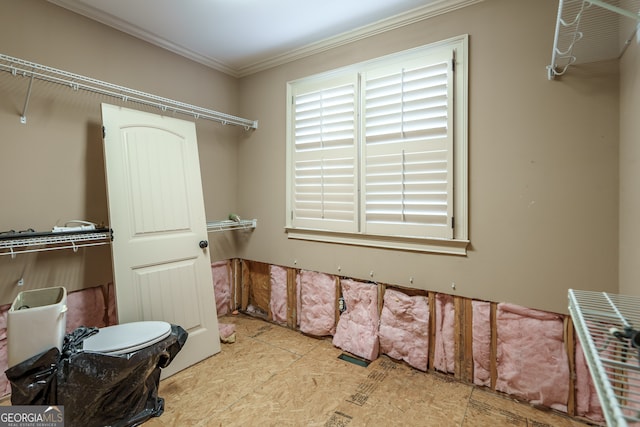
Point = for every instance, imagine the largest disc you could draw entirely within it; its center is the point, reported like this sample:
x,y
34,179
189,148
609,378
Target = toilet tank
x,y
36,322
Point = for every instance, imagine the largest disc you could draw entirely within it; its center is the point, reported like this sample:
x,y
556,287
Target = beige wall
x,y
543,165
543,155
52,167
630,169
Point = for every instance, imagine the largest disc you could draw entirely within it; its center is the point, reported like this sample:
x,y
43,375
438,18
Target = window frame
x,y
458,243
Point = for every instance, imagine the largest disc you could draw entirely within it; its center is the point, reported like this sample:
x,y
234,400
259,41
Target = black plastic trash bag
x,y
72,342
102,390
33,382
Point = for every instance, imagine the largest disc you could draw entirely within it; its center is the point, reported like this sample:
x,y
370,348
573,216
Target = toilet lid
x,y
127,337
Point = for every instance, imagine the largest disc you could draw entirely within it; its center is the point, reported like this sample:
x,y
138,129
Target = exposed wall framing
x,y
464,339
494,345
255,279
292,298
256,288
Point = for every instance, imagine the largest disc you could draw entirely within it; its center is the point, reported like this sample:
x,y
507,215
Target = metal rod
x,y
76,81
73,246
615,9
23,118
616,311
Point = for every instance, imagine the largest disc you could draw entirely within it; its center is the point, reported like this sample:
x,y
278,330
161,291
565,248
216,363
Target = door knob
x,y
203,244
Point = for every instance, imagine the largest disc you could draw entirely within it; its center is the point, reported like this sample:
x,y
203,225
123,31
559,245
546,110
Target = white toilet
x,y
127,337
36,322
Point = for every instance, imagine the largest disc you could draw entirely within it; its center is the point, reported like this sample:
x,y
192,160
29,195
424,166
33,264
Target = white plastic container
x,y
36,322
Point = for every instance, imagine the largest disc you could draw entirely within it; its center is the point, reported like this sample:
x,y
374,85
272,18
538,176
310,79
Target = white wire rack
x,y
608,327
592,30
20,244
243,224
22,68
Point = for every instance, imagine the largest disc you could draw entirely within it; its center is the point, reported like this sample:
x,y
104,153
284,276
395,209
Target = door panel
x,y
157,180
172,304
156,210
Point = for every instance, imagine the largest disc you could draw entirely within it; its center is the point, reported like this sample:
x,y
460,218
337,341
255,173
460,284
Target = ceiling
x,y
240,37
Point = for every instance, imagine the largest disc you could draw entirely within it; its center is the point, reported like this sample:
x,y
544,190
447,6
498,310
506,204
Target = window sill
x,y
443,246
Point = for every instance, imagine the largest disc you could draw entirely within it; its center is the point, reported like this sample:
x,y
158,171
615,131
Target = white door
x,y
156,211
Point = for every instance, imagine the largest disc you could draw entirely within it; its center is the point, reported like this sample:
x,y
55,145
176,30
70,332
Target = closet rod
x,y
79,82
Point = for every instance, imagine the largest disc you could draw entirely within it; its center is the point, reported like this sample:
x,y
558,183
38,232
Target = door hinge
x,y
453,64
453,222
104,133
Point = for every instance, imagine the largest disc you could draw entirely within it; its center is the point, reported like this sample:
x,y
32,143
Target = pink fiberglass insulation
x,y
587,401
278,298
226,330
444,351
5,386
221,286
357,330
481,326
86,308
532,361
404,328
317,303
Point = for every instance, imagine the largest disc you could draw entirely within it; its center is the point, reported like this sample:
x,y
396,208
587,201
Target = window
x,y
377,152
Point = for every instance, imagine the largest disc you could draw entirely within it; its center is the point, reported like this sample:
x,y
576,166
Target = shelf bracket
x,y
23,117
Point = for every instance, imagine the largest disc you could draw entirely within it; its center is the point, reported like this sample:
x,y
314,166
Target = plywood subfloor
x,y
273,376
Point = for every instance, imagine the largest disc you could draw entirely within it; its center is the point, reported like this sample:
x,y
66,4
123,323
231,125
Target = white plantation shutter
x,y
408,148
324,159
377,152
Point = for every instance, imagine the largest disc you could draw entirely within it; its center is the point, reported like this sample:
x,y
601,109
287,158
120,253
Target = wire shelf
x,y
243,224
32,70
607,327
21,243
592,30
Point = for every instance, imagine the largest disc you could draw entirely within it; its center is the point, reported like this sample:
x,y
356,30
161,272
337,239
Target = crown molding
x,y
419,14
114,22
388,24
